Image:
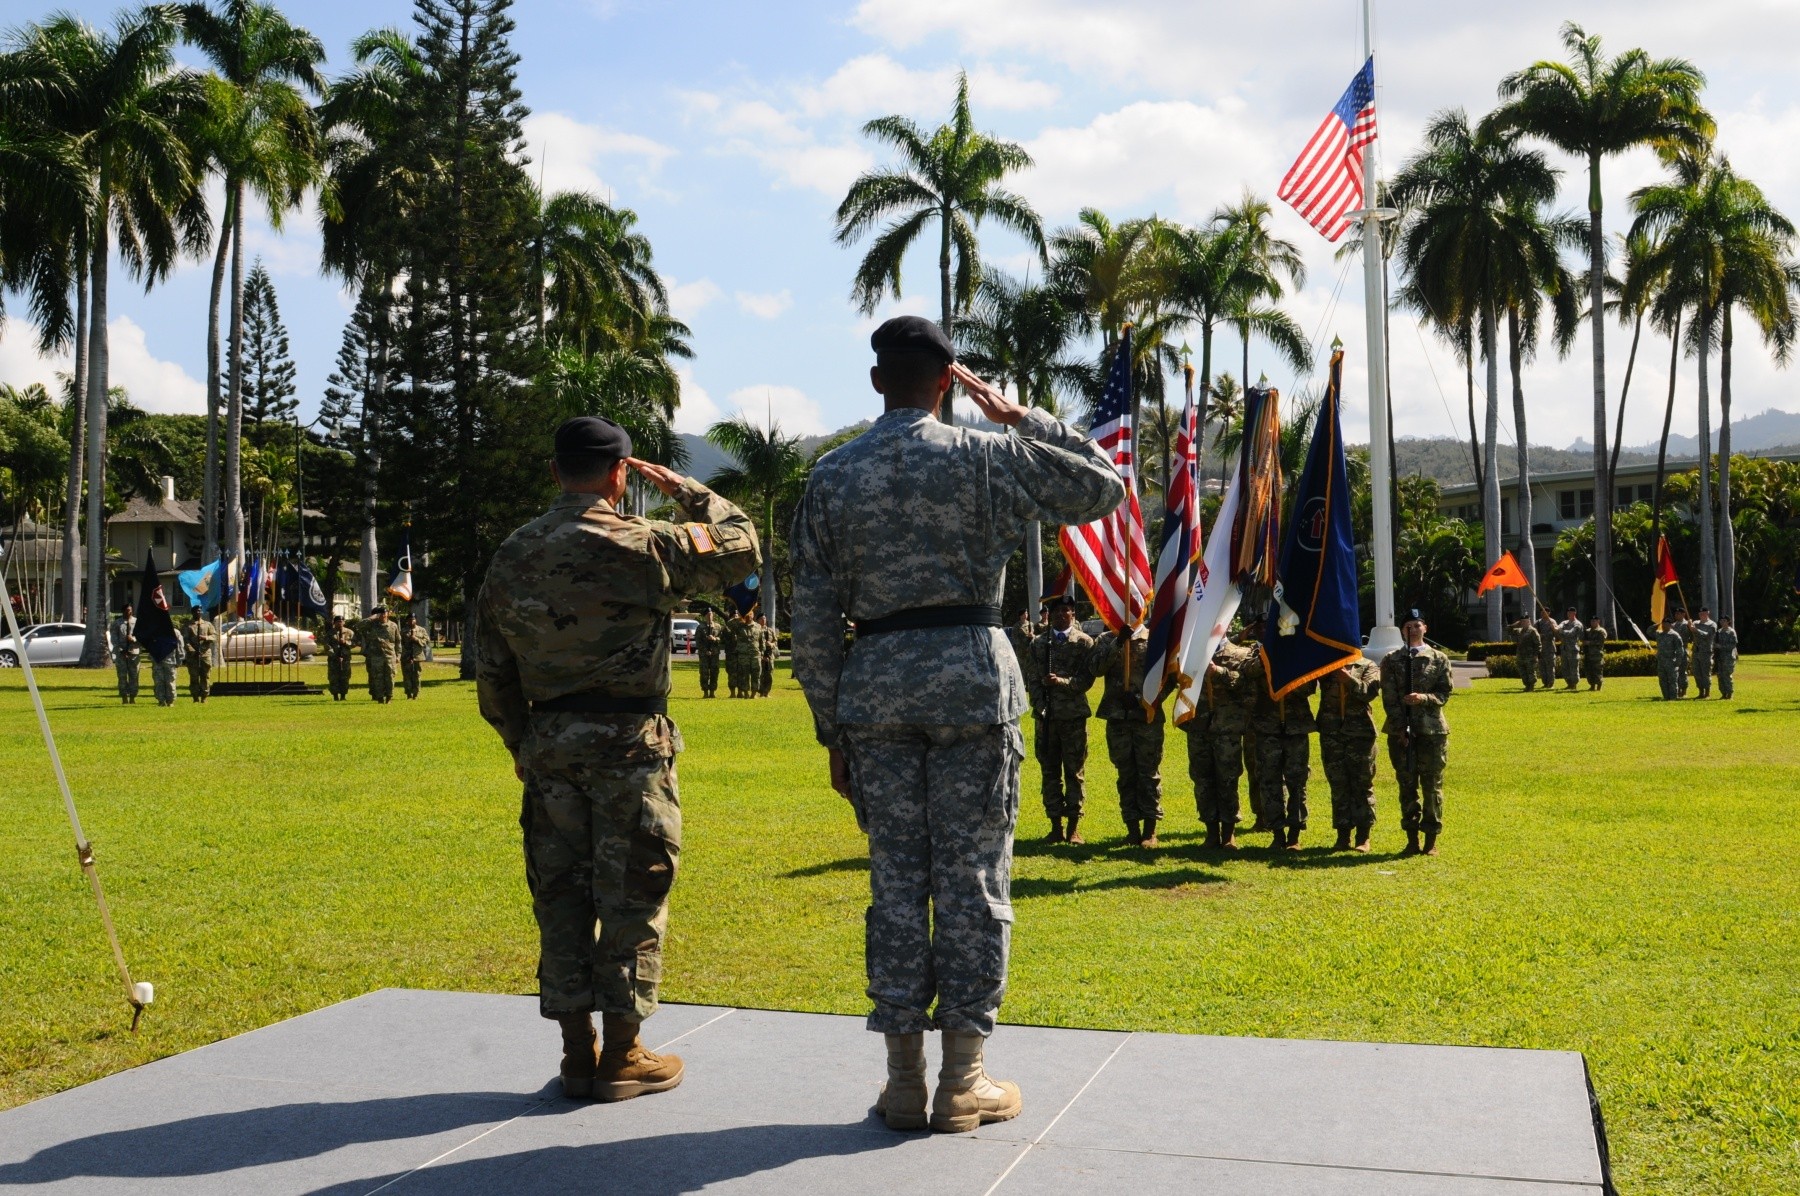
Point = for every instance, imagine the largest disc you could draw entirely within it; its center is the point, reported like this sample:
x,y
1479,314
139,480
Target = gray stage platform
x,y
404,1091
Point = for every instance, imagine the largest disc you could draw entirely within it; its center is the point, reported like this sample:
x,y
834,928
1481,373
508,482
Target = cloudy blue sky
x,y
731,129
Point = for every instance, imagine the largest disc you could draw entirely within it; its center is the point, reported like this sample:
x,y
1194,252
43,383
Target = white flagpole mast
x,y
1384,637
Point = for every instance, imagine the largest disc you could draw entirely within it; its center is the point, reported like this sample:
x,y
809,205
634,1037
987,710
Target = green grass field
x,y
1618,878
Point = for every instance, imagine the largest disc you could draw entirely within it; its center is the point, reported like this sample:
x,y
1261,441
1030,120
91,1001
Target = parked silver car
x,y
260,640
45,643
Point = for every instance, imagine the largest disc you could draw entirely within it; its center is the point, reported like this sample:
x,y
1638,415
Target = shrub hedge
x,y
1508,648
1626,660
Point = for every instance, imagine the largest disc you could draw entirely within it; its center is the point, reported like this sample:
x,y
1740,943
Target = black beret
x,y
592,436
912,334
1057,601
1413,615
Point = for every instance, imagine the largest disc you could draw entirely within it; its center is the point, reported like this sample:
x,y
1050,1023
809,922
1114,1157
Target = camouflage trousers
x,y
1668,679
1702,674
1547,668
602,844
1253,774
709,674
1283,765
765,677
939,804
1528,670
1571,669
337,673
409,677
1725,679
1593,670
126,666
381,677
1681,675
1349,762
1136,748
162,679
1420,771
741,668
1061,747
1215,762
199,671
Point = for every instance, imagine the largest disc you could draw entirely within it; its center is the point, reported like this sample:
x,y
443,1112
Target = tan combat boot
x,y
966,1097
581,1054
902,1100
1073,836
1149,839
1430,843
626,1068
1362,839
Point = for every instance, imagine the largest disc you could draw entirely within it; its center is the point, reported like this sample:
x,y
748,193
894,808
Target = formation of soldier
x,y
127,657
1689,652
751,647
1695,651
1548,650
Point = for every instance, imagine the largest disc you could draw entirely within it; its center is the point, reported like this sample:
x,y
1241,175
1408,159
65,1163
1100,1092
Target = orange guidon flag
x,y
1506,574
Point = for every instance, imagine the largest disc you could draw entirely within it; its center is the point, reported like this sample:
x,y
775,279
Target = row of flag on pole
x,y
268,584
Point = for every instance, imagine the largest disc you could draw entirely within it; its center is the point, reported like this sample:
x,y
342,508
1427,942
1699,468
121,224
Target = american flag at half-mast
x,y
1109,556
1178,564
1325,183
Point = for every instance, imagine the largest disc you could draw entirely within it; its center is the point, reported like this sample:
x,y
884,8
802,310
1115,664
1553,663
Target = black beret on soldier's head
x,y
592,436
1053,602
912,334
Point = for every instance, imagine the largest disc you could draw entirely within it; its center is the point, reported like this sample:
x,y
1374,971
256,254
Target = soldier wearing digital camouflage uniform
x,y
1055,666
1684,627
339,641
123,641
1725,654
573,635
200,638
1546,629
706,647
768,647
1705,639
414,643
164,670
1671,650
1593,653
906,531
1215,732
1415,686
1568,648
379,639
1530,644
741,656
1134,740
1347,748
1284,752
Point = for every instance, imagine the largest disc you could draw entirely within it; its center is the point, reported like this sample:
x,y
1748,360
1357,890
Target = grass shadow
x,y
1177,878
851,864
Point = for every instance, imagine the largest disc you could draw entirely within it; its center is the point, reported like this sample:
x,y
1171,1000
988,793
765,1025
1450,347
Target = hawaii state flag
x,y
1178,565
1109,556
1506,574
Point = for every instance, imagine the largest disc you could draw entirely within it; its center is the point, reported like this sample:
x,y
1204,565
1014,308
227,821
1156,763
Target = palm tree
x,y
1267,261
770,470
128,115
262,138
952,175
1596,107
1106,272
1464,192
586,254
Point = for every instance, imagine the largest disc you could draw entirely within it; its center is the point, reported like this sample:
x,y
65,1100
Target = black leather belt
x,y
598,703
921,618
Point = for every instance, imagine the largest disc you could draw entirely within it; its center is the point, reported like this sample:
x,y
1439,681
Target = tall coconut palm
x,y
1596,107
1106,271
769,469
951,175
261,138
585,254
1270,265
1463,191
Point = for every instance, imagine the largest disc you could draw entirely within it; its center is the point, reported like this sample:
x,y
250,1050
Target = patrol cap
x,y
592,436
912,334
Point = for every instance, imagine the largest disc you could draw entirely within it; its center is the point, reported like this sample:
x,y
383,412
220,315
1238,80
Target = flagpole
x,y
1384,637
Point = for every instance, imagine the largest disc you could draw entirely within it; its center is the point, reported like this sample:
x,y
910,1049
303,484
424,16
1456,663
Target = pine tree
x,y
268,367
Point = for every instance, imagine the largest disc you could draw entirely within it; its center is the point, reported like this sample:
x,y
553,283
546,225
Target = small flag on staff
x,y
1109,556
1506,574
1665,577
1177,565
744,594
401,586
1325,184
155,628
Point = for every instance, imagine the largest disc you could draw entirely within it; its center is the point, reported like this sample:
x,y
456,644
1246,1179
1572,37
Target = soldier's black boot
x,y
1056,831
581,1055
1074,833
1212,836
1134,833
1343,839
1293,838
1412,843
1362,838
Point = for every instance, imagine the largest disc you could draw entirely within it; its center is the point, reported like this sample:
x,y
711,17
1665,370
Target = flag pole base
x,y
1382,640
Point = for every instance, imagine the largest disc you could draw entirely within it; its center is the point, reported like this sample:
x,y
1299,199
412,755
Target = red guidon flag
x,y
1505,574
1665,577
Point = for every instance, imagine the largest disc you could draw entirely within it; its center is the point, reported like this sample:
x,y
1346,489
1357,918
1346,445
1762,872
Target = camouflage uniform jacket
x,y
1703,634
768,643
1670,649
1568,637
123,638
1292,715
1067,658
1529,641
1593,646
1428,671
706,641
917,513
199,636
579,601
413,643
338,643
1725,650
1122,697
1221,709
378,637
1346,698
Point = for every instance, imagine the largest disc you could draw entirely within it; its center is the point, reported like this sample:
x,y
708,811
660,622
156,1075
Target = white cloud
x,y
765,307
151,383
776,140
796,414
873,84
573,155
697,412
689,299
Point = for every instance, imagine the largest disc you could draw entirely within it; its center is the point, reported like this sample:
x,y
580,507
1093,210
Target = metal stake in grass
x,y
136,995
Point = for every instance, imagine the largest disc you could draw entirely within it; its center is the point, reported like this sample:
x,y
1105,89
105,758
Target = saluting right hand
x,y
996,406
663,478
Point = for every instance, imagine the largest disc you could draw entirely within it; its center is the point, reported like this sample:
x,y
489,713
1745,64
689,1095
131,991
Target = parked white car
x,y
685,632
45,643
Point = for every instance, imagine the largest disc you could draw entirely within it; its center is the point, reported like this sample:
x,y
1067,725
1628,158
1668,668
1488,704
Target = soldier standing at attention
x,y
706,647
768,647
1568,648
574,635
1215,734
125,654
1593,653
1057,678
1283,732
1415,685
1705,638
1684,627
413,643
1020,635
1347,748
1530,644
200,638
1546,627
162,671
906,532
1247,639
339,641
380,641
1670,651
742,649
1725,654
1134,737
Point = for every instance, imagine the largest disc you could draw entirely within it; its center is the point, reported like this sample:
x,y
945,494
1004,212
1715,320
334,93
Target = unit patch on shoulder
x,y
701,535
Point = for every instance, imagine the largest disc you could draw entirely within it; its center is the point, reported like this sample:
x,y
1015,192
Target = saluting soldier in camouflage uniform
x,y
1215,732
768,647
574,634
1593,653
1530,644
1705,637
1055,667
1134,740
706,647
1670,652
200,638
906,531
339,640
124,645
1283,749
380,642
1415,685
413,644
1568,648
1546,628
1347,748
1725,654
